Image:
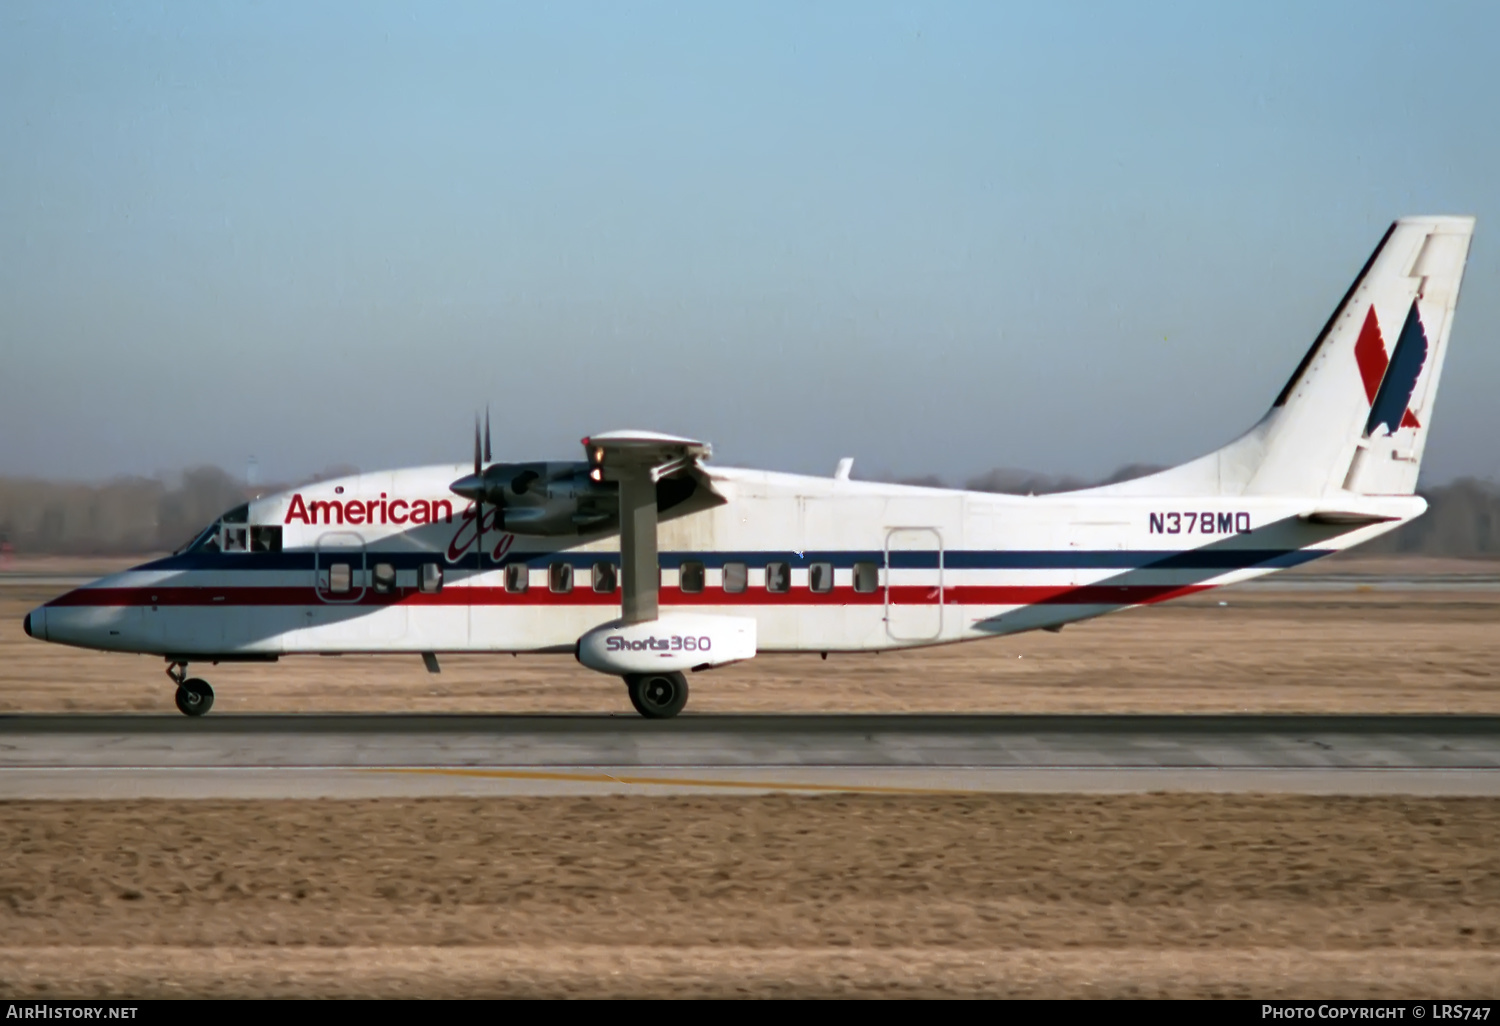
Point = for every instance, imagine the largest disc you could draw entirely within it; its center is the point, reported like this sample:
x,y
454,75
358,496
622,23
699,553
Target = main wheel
x,y
658,696
634,693
194,697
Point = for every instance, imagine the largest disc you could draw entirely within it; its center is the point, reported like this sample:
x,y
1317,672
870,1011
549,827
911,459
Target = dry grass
x,y
1028,895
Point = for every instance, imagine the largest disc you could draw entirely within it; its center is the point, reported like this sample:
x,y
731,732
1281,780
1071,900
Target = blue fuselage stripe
x,y
1207,558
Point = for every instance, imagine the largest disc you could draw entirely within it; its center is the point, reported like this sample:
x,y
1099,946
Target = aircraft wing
x,y
637,460
657,454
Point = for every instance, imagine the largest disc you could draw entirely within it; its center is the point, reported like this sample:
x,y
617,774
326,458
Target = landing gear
x,y
657,696
194,696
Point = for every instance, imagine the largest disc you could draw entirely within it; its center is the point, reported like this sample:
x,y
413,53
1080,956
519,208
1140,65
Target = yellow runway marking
x,y
606,778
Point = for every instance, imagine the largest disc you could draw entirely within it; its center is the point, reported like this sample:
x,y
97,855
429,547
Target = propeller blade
x,y
479,498
488,453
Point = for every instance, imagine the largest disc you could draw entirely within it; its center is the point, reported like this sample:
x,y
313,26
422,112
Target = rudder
x,y
1355,414
1388,455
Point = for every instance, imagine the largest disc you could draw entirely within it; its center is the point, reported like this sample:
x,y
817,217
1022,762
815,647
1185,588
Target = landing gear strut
x,y
657,696
194,696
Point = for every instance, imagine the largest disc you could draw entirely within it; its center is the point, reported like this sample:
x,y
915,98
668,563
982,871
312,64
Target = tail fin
x,y
1355,414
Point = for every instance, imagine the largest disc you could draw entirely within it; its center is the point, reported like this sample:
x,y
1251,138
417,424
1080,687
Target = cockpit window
x,y
232,533
207,540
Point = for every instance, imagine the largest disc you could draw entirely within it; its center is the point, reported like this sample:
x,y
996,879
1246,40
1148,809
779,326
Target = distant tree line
x,y
130,516
1462,519
123,517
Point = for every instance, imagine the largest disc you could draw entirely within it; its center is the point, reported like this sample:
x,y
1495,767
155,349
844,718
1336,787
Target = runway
x,y
379,756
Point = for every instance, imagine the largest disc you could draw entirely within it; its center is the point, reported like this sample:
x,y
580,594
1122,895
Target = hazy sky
x,y
939,237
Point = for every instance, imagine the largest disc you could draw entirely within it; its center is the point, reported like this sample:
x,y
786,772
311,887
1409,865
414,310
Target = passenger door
x,y
913,583
354,612
340,568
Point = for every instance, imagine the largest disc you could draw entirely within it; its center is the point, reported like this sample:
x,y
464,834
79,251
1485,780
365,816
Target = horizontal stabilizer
x,y
1345,518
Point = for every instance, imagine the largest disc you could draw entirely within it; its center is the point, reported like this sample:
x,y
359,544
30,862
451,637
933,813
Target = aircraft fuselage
x,y
393,562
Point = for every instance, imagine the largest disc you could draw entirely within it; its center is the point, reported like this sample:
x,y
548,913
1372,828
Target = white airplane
x,y
645,562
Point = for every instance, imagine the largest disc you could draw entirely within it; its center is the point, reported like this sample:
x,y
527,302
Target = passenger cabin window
x,y
560,577
691,576
384,578
866,577
605,577
430,579
517,577
338,578
736,577
820,577
778,577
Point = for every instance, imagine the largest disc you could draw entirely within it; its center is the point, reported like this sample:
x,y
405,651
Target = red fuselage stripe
x,y
907,595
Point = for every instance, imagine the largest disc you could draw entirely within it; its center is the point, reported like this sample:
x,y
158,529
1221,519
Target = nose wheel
x,y
194,696
657,696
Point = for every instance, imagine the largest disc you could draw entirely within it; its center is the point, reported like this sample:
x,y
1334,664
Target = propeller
x,y
479,496
478,465
472,487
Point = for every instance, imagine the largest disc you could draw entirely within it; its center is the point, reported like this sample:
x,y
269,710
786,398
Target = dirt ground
x,y
1040,896
1376,650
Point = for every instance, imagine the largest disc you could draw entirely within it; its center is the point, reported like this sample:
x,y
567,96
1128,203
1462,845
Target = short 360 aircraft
x,y
645,562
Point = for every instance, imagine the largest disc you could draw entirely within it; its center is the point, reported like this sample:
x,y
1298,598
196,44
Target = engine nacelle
x,y
677,641
557,498
561,497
